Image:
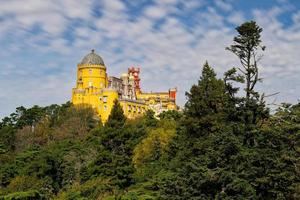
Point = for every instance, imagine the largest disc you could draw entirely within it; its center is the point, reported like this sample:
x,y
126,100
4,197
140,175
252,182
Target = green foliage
x,y
207,104
28,195
251,109
30,117
114,157
92,189
116,117
7,137
208,96
221,147
232,152
171,115
150,119
245,47
150,154
24,183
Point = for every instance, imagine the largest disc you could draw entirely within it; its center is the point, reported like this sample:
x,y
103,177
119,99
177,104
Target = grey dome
x,y
93,59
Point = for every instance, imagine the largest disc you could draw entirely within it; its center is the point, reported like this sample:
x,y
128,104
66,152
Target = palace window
x,y
90,71
105,107
90,84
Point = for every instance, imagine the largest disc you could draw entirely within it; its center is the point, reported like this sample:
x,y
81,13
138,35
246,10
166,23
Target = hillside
x,y
69,156
222,146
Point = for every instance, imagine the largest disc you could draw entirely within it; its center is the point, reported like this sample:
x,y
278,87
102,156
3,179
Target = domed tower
x,y
91,72
91,79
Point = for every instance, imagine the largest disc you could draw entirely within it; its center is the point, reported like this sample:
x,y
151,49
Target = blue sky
x,y
43,40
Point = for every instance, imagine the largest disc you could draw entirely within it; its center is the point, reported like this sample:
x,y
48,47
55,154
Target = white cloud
x,y
52,16
236,18
193,4
223,5
161,9
155,12
115,5
211,18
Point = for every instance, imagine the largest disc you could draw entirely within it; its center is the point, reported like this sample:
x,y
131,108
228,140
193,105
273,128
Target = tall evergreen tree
x,y
246,47
206,102
116,117
208,96
251,109
204,144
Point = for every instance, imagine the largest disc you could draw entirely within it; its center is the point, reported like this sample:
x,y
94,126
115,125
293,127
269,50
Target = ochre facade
x,y
94,87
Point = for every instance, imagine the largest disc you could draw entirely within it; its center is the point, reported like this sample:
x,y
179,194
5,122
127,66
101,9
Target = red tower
x,y
172,93
135,72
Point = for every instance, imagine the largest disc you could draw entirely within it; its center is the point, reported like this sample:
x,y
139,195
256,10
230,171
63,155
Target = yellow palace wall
x,y
133,109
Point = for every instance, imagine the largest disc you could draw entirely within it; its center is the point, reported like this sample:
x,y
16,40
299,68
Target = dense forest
x,y
225,144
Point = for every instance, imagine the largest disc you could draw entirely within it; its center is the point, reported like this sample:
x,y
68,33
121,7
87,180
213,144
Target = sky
x,y
42,41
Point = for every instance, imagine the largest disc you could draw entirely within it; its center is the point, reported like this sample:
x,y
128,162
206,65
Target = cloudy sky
x,y
43,40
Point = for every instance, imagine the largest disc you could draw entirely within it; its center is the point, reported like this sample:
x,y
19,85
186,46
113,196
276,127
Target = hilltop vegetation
x,y
222,146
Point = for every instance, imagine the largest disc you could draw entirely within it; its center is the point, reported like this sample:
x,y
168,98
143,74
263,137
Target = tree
x,y
206,103
116,117
156,143
205,138
251,109
208,96
246,46
170,115
7,138
150,119
6,121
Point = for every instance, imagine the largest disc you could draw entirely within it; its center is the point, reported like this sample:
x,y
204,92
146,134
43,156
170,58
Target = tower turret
x,y
91,72
125,82
91,78
135,72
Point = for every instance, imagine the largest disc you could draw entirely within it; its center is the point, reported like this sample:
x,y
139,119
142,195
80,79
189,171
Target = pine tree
x,y
204,144
246,47
251,109
206,102
208,96
116,117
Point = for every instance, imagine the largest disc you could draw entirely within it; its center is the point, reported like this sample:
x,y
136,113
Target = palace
x,y
96,88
